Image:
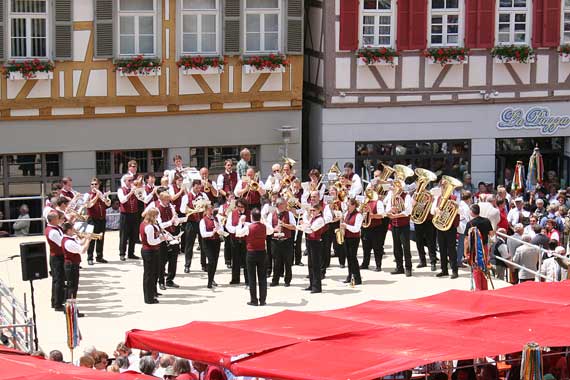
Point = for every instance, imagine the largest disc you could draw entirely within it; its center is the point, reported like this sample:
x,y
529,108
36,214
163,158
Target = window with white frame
x,y
445,23
262,25
513,22
200,22
28,28
137,27
377,23
566,23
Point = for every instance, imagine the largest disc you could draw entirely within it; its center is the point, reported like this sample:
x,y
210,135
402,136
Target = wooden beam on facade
x,y
139,86
204,86
259,82
26,89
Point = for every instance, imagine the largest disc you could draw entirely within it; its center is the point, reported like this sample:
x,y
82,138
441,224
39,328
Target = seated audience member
x,y
101,360
86,361
113,216
182,370
55,356
21,227
146,365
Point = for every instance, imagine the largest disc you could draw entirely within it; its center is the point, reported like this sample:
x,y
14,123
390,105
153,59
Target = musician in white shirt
x,y
400,227
355,181
192,230
273,183
284,225
314,226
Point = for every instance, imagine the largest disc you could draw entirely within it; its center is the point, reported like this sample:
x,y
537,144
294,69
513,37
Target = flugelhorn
x,y
89,235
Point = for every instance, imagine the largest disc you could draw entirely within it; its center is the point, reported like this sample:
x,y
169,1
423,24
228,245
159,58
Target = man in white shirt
x,y
273,183
552,269
72,251
54,236
314,226
500,249
529,230
243,189
528,257
283,224
22,226
517,214
228,180
489,211
400,227
192,229
354,179
464,218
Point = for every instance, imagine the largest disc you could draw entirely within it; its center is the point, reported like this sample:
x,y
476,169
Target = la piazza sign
x,y
534,118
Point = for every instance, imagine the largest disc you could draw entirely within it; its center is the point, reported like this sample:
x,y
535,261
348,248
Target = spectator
x,y
182,370
529,230
113,216
552,269
551,231
122,363
518,214
86,361
164,362
468,183
540,211
4,229
513,244
101,360
503,222
552,214
22,225
146,365
243,164
169,374
500,249
540,237
464,218
528,257
488,210
55,356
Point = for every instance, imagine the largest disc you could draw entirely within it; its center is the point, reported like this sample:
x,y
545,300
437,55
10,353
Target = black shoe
x,y
158,294
209,286
172,285
300,264
162,287
323,276
134,257
341,266
287,285
101,260
262,303
123,258
408,273
250,303
186,269
90,262
229,266
454,275
316,291
268,274
59,308
80,315
378,269
397,271
433,267
421,265
214,283
274,284
308,289
234,282
358,282
155,301
442,274
204,269
347,281
364,266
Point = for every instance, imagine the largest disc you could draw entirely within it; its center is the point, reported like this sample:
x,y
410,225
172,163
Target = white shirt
x,y
184,202
55,235
316,225
490,212
552,270
47,210
162,223
122,196
357,224
239,188
231,229
464,216
266,210
220,181
204,231
269,219
356,187
149,231
529,230
243,229
407,203
73,246
514,214
272,184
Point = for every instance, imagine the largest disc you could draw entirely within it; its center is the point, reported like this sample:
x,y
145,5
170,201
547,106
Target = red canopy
x,y
376,338
16,365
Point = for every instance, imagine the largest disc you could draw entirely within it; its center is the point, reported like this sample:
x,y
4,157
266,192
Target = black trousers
x,y
373,238
228,250
239,260
168,255
212,251
57,280
151,262
447,248
315,249
270,258
328,236
98,227
401,237
283,255
298,247
192,230
257,272
71,280
338,249
351,248
424,238
128,233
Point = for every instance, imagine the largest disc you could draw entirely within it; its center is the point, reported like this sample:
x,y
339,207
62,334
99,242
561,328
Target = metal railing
x,y
15,320
42,197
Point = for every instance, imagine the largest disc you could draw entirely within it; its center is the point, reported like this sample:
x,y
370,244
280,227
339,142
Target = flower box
x,y
154,72
433,61
361,61
250,69
38,75
564,52
199,65
513,54
446,55
513,60
138,66
210,70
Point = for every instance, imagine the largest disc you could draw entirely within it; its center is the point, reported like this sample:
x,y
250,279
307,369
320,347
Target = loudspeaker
x,y
34,261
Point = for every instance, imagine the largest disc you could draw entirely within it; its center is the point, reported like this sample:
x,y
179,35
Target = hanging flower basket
x,y
564,51
138,66
193,65
513,54
447,55
29,69
377,57
264,64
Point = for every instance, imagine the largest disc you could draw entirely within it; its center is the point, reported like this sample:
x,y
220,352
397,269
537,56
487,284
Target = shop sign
x,y
534,118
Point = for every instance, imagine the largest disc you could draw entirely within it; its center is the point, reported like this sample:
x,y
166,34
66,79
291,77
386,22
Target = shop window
x,y
566,23
112,165
213,157
450,157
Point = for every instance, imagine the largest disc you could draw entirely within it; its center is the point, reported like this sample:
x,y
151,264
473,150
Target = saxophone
x,y
423,198
449,209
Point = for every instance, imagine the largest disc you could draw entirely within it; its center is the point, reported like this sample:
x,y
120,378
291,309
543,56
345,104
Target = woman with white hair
x,y
552,269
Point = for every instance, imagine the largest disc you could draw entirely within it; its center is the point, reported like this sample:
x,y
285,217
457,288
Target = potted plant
x,y
271,63
28,69
377,56
447,55
564,52
513,54
138,66
192,65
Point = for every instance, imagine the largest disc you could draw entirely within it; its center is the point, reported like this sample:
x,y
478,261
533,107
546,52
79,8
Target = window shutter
x,y
546,23
418,18
104,30
348,25
2,29
63,29
295,27
403,33
232,27
480,24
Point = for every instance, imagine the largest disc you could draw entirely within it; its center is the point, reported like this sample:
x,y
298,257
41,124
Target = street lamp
x,y
286,132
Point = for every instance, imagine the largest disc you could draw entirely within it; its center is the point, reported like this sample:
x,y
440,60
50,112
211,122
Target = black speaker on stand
x,y
34,267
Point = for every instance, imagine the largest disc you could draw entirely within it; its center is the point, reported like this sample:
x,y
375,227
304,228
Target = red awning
x,y
16,365
376,338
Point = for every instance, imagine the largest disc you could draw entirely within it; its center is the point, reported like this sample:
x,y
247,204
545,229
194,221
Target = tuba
x,y
444,220
371,196
423,198
402,172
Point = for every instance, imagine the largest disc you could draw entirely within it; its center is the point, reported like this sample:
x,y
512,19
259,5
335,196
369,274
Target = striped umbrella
x,y
72,326
535,170
518,178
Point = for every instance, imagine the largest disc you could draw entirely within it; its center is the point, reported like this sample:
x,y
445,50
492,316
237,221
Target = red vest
x,y
54,249
131,206
285,219
179,200
373,208
349,184
253,197
196,216
209,194
144,240
403,221
69,257
350,219
67,193
99,209
210,226
230,182
149,190
235,220
165,215
255,240
316,235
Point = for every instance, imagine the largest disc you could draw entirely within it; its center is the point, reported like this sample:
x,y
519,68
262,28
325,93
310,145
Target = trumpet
x,y
199,206
206,185
89,235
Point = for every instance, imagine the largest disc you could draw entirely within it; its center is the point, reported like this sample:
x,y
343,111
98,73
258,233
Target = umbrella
x,y
535,170
71,318
518,178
